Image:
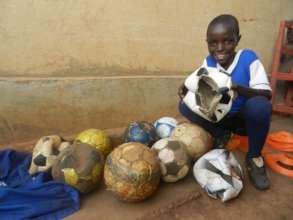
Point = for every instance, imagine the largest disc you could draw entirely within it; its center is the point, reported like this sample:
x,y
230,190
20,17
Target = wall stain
x,y
76,69
248,19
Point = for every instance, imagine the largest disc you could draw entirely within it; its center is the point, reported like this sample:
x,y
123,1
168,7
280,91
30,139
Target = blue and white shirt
x,y
246,70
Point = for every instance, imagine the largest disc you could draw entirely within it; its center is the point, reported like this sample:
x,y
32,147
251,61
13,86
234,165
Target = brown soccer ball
x,y
197,140
80,166
132,172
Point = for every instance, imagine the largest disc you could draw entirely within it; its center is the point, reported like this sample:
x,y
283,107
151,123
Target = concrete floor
x,y
185,199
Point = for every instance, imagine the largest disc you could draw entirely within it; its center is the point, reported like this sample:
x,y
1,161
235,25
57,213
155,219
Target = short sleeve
x,y
258,76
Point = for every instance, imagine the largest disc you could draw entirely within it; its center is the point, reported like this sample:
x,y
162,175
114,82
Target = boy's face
x,y
222,43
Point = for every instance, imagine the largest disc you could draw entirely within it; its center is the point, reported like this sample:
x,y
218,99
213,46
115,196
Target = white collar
x,y
232,65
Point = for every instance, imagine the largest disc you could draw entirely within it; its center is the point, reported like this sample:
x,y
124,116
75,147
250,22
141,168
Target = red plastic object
x,y
280,162
281,47
238,142
241,143
277,152
282,141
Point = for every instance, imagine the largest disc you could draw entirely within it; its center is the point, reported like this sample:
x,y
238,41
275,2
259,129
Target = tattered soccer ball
x,y
209,93
80,166
219,174
132,172
174,160
45,153
164,126
197,140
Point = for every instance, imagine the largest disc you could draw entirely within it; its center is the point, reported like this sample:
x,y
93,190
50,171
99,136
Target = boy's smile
x,y
222,43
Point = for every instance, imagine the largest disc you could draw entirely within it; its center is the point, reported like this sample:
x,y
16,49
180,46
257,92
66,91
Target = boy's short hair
x,y
227,19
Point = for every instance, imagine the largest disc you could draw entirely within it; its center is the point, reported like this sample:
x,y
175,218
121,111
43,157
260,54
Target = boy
x,y
251,110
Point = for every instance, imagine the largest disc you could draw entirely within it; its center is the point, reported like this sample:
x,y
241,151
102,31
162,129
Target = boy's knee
x,y
258,108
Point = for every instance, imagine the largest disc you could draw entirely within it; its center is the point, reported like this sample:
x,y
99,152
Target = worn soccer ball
x,y
219,174
80,165
132,172
164,126
197,140
142,132
96,138
45,153
174,159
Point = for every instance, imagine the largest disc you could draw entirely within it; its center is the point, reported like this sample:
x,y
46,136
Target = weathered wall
x,y
38,107
108,37
68,65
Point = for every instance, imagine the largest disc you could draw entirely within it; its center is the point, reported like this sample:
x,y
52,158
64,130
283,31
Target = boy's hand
x,y
182,90
234,86
223,90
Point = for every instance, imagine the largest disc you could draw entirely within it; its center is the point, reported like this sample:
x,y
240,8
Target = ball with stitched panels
x,y
164,126
142,132
197,140
80,166
174,159
132,172
96,138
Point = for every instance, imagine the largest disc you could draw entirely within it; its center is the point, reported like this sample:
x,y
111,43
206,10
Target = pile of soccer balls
x,y
179,147
79,163
132,171
176,146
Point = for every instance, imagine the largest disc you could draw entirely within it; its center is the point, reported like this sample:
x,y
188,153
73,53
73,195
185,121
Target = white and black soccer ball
x,y
46,152
164,126
174,160
219,174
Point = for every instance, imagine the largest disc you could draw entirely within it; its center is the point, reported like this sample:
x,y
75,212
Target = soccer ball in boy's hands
x,y
164,126
209,93
174,160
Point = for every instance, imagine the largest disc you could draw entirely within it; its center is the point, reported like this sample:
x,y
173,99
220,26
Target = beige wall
x,y
114,37
67,65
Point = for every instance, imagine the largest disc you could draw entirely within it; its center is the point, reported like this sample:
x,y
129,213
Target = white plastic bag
x,y
219,174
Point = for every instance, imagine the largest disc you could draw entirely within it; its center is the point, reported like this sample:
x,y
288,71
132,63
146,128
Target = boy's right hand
x,y
182,90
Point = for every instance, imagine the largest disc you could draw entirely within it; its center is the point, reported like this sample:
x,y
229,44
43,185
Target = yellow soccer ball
x,y
96,138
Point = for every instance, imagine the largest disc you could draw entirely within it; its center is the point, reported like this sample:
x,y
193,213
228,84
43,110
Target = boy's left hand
x,y
234,86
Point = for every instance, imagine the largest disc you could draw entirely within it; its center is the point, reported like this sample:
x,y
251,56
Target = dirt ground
x,y
185,200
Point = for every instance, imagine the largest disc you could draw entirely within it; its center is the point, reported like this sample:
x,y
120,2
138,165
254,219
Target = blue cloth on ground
x,y
32,197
